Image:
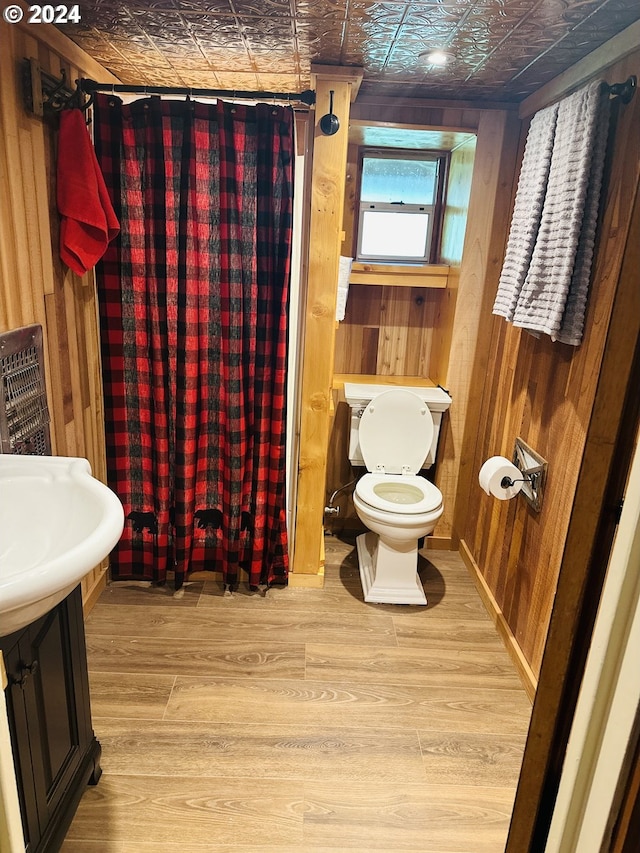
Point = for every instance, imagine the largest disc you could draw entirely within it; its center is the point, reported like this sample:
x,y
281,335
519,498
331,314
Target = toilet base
x,y
389,576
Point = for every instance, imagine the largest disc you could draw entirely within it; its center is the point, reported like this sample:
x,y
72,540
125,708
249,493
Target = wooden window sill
x,y
392,275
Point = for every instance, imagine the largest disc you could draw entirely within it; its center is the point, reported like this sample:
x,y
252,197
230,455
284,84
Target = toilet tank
x,y
358,397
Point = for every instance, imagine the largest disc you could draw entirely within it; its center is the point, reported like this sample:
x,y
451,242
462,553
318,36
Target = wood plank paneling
x,y
390,318
423,112
456,207
485,237
325,223
349,241
544,392
454,227
394,327
605,466
413,328
34,285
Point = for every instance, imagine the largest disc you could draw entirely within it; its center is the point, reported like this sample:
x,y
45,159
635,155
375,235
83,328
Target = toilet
x,y
396,439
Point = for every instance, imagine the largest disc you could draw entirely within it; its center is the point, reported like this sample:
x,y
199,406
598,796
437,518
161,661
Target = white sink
x,y
57,522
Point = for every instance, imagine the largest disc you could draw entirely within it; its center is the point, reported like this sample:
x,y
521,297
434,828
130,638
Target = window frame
x,y
435,224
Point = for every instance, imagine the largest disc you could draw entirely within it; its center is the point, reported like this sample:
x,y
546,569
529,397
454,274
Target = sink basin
x,y
57,522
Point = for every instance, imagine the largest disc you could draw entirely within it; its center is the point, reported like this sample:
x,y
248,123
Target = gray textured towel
x,y
527,211
552,297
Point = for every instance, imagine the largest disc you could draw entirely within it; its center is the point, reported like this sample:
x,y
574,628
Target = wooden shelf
x,y
371,379
392,275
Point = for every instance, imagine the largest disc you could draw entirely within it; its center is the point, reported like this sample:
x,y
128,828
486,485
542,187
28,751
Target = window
x,y
400,197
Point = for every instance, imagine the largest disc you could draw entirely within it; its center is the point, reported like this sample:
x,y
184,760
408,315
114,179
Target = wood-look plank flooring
x,y
303,721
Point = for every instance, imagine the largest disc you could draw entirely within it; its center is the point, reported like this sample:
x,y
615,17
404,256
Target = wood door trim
x,y
607,457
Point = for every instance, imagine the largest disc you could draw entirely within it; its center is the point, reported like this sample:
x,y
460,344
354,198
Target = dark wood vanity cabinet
x,y
55,751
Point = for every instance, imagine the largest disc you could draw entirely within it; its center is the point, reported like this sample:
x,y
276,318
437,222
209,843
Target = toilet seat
x,y
396,432
399,493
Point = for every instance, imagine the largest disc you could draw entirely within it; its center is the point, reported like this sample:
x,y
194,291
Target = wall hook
x,y
625,91
330,123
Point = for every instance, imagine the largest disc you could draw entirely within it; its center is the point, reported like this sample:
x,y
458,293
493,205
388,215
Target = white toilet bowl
x,y
397,505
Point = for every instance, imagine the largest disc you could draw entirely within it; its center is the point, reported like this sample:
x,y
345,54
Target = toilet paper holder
x,y
533,469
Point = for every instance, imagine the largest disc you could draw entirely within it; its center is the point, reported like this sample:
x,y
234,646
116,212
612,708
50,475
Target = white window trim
x,y
398,207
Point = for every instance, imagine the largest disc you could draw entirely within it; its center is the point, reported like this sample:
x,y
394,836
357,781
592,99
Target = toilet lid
x,y
396,432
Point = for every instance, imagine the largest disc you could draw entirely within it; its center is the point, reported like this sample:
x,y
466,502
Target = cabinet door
x,y
49,713
19,731
57,703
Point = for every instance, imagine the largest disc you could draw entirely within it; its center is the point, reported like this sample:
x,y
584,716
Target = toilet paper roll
x,y
493,473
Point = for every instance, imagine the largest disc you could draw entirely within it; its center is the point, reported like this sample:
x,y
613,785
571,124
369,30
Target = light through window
x,y
398,195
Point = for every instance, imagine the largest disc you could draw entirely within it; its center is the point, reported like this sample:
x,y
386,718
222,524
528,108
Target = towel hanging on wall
x,y
344,272
527,210
88,222
545,277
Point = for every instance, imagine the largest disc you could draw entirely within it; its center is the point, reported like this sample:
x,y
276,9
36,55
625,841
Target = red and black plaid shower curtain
x,y
193,311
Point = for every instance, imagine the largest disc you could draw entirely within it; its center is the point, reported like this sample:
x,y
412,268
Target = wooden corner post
x,y
328,174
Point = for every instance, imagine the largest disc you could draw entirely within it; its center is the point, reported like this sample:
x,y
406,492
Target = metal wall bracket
x,y
534,471
43,91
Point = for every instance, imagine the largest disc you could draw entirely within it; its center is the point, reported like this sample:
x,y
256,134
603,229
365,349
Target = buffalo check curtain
x,y
193,302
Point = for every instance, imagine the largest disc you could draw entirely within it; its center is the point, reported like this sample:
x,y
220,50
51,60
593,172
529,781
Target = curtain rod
x,y
624,91
88,86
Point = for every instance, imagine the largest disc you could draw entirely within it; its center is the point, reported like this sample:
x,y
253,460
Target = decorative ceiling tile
x,y
203,79
378,13
156,18
503,49
94,12
278,83
429,16
159,5
209,7
272,63
264,42
236,81
334,10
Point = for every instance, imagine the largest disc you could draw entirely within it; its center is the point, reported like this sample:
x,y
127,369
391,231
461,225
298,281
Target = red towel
x,y
88,221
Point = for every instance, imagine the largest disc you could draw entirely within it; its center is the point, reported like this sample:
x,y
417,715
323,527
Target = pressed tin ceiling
x,y
503,49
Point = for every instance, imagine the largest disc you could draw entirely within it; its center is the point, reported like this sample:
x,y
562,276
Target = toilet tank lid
x,y
359,394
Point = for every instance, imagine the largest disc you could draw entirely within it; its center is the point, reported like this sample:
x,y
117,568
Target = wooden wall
x,y
456,217
543,392
494,176
415,332
390,331
328,167
387,331
34,286
504,383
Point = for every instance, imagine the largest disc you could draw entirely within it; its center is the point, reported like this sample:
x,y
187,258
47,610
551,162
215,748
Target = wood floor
x,y
305,720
